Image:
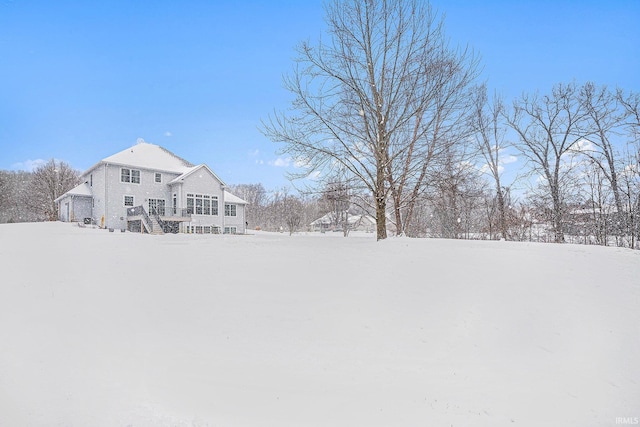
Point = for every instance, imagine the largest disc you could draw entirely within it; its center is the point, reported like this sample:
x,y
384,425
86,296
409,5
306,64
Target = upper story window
x,y
158,177
128,200
229,209
130,175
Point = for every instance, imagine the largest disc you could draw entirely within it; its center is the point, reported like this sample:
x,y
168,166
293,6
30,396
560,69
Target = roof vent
x,y
140,141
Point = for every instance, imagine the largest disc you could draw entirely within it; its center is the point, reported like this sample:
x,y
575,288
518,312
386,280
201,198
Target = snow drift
x,y
123,329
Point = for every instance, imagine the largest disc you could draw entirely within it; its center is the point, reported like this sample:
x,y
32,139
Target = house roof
x,y
144,155
148,156
80,190
230,198
352,219
324,219
192,170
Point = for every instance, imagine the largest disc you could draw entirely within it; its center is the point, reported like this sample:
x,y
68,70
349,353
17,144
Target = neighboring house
x,y
331,222
146,188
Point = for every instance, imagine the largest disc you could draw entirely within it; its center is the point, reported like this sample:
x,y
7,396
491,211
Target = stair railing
x,y
156,214
139,211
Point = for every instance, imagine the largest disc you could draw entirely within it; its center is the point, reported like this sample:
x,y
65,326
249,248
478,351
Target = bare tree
x,y
603,123
337,194
595,211
455,194
256,196
548,128
519,219
440,130
630,190
631,172
490,140
5,193
15,190
292,208
48,182
366,101
631,104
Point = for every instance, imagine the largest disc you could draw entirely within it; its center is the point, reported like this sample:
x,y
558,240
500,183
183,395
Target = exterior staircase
x,y
156,228
151,224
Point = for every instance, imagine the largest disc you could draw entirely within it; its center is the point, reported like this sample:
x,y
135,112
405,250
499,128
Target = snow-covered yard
x,y
123,329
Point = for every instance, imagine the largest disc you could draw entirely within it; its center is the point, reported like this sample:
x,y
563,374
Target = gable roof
x,y
193,169
80,190
148,156
231,198
330,218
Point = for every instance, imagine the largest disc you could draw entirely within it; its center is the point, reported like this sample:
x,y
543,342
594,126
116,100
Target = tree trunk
x,y
557,215
501,212
381,204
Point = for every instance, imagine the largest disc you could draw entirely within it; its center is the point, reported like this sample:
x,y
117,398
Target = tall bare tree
x,y
455,193
631,175
603,124
372,100
631,104
489,134
548,128
48,182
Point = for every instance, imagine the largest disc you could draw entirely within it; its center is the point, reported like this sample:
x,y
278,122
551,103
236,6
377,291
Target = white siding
x,y
237,221
115,190
203,182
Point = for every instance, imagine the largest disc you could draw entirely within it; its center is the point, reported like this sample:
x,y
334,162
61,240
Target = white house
x,y
331,222
146,188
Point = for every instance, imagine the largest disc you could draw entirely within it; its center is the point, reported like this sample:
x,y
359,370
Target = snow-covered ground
x,y
123,329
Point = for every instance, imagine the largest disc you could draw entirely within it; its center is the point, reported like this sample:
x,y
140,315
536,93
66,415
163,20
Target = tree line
x,y
30,196
389,120
386,102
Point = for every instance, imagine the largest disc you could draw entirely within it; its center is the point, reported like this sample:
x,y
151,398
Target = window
x,y
230,230
214,205
158,177
128,200
130,175
189,203
207,205
156,206
202,204
229,209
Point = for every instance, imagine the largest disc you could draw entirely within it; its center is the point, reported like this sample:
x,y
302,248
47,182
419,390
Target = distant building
x,y
331,222
146,188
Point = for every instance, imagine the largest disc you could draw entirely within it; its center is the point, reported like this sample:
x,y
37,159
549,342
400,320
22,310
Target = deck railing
x,y
160,211
139,211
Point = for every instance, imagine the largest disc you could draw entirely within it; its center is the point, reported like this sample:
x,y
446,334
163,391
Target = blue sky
x,y
81,80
